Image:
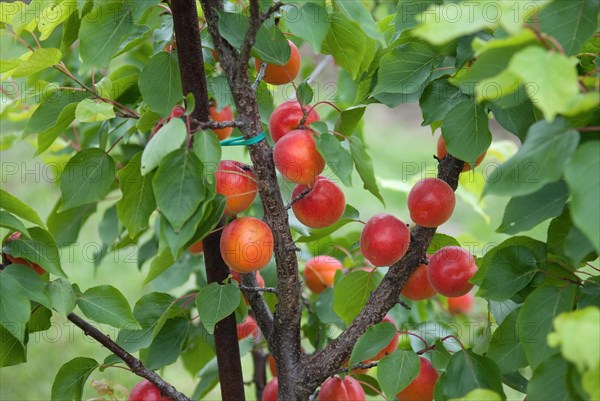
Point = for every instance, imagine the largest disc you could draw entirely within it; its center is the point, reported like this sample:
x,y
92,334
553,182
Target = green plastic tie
x,y
240,141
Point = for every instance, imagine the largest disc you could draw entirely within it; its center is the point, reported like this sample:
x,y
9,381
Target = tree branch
x,y
261,310
132,362
328,361
216,124
255,24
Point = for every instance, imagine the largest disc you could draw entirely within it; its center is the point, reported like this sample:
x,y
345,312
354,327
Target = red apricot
x,y
384,240
450,270
287,117
421,388
461,305
322,206
146,391
320,272
226,114
236,182
270,391
338,389
297,158
418,286
431,202
246,244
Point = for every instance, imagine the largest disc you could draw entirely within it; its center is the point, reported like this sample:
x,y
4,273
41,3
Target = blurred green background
x,y
402,153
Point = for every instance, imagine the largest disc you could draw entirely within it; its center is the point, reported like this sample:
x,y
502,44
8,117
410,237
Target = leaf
x,y
12,352
508,271
468,371
525,212
347,43
351,293
62,296
168,138
105,304
396,371
551,78
517,119
584,185
90,111
102,31
349,120
150,308
33,286
12,204
373,340
337,157
535,320
350,215
138,203
40,249
39,60
440,241
215,302
438,99
160,83
178,186
505,348
480,395
548,145
364,166
359,13
548,381
160,263
87,178
466,131
572,23
55,14
408,12
71,378
406,68
7,220
65,226
14,306
208,149
167,344
63,121
305,93
309,21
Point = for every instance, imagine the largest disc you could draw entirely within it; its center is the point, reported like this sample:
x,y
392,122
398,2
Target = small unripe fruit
x,y
246,244
226,114
322,206
421,388
431,202
442,152
320,272
450,270
418,286
338,389
384,240
236,182
247,328
297,158
461,305
287,117
270,391
146,391
282,74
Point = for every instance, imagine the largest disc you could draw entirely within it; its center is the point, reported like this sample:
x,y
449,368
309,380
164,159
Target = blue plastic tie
x,y
240,141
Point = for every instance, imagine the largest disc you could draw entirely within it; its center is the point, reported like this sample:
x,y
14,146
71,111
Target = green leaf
x,y
305,93
406,68
105,304
87,178
138,203
159,264
525,212
509,270
12,351
308,21
167,344
375,339
352,292
535,320
541,160
347,43
147,121
440,241
71,379
505,348
350,215
12,204
103,30
168,138
396,371
40,248
208,149
39,60
34,287
63,121
358,12
548,381
466,131
468,371
179,187
14,306
516,119
364,166
62,296
408,12
65,226
349,120
337,157
551,78
584,183
215,302
572,23
566,240
7,220
480,395
160,83
55,14
438,99
90,111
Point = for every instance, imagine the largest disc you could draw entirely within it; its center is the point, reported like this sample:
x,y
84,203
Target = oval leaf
x,y
105,304
215,302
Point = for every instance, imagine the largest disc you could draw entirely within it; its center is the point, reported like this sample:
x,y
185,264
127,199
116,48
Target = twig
x,y
132,362
216,124
588,129
271,10
260,76
246,288
301,195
